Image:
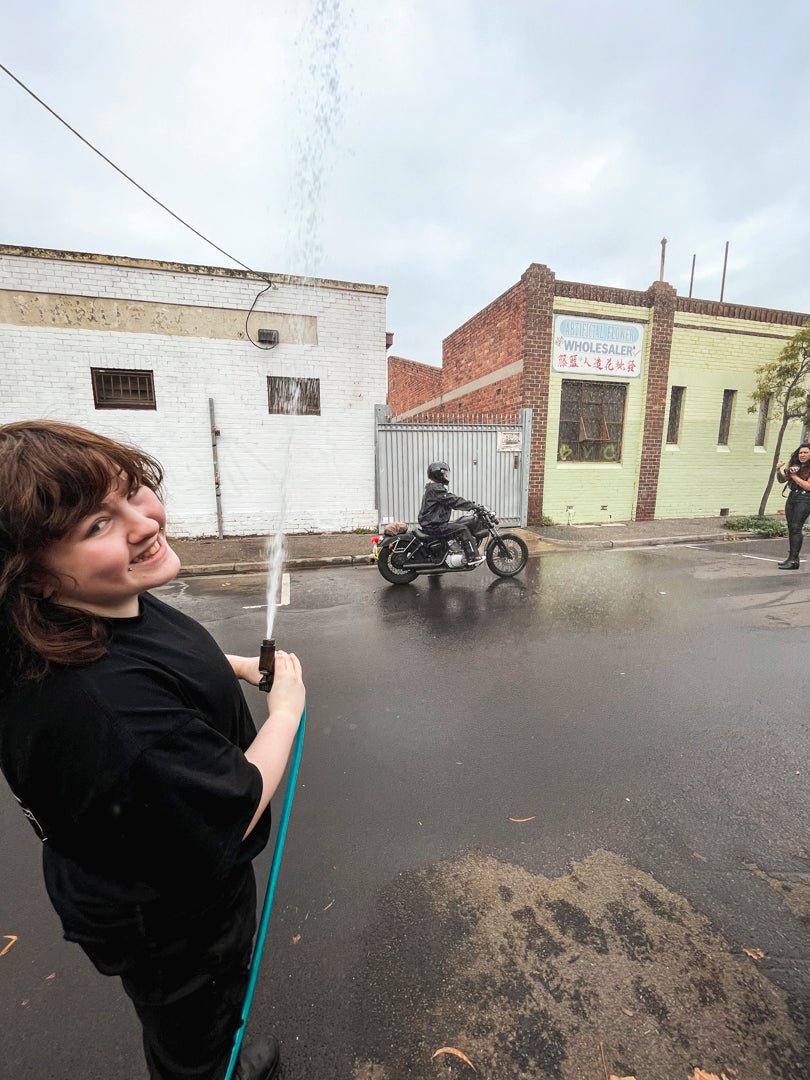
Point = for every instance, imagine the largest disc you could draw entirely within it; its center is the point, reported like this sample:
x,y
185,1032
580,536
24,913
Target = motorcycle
x,y
404,556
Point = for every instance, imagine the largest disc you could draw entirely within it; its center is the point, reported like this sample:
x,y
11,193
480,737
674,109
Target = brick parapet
x,y
603,294
663,301
715,309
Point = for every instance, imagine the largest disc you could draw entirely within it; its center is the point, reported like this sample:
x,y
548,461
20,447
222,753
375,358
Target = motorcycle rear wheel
x,y
393,573
508,560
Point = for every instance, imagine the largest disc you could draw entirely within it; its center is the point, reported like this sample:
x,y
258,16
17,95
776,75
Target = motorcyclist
x,y
434,513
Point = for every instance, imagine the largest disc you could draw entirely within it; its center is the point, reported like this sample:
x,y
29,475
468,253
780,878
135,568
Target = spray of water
x,y
275,548
322,37
320,100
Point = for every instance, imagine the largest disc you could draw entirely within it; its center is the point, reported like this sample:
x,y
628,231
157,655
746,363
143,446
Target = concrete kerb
x,y
311,563
314,562
638,541
650,541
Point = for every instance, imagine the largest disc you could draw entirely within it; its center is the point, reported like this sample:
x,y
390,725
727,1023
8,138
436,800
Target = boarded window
x,y
591,421
762,420
294,397
122,389
805,428
676,394
725,417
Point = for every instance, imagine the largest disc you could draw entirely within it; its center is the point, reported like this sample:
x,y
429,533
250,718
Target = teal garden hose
x,y
261,933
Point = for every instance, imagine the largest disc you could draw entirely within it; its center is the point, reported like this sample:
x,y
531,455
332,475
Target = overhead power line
x,y
126,176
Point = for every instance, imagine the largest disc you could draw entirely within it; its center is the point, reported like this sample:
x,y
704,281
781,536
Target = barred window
x,y
294,397
591,421
675,405
123,389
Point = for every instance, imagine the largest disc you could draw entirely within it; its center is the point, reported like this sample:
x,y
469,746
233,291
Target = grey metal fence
x,y
489,464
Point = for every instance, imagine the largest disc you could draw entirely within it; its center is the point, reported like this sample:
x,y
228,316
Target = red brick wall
x,y
497,399
538,282
489,340
410,384
663,305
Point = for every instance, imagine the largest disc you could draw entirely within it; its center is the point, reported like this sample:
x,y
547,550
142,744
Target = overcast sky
x,y
434,146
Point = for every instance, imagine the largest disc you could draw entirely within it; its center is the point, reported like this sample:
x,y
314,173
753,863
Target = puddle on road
x,y
527,976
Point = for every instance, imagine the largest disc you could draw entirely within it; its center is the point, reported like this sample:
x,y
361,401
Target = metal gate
x,y
489,464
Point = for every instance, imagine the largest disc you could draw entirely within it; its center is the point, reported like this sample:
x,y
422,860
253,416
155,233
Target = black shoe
x,y
789,564
258,1061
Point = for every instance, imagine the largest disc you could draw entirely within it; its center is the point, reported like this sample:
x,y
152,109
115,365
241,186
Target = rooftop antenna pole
x,y
692,278
723,282
663,257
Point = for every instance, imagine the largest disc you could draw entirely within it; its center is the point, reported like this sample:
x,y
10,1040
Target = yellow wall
x,y
588,486
698,478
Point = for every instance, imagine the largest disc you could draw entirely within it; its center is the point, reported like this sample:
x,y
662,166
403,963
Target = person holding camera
x,y
796,474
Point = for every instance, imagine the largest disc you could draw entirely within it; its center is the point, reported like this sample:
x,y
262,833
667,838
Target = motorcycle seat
x,y
421,535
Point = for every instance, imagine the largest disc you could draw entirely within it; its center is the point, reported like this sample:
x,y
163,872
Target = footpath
x,y
246,554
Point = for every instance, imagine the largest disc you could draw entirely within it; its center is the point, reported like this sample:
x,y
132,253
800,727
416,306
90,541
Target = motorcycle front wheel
x,y
507,554
393,573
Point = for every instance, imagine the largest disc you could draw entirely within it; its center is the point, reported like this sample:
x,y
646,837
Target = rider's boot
x,y
471,551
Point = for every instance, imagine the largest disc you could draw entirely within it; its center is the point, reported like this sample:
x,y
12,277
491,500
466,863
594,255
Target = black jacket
x,y
437,503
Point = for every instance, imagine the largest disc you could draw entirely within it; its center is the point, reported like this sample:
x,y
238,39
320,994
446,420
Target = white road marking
x,y
759,558
284,599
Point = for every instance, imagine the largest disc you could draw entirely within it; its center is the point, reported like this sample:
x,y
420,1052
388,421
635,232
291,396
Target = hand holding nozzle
x,y
288,695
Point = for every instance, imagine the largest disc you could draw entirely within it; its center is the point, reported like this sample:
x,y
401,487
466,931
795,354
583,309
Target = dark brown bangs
x,y
53,475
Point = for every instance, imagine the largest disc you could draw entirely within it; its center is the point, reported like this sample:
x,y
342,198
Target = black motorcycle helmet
x,y
439,471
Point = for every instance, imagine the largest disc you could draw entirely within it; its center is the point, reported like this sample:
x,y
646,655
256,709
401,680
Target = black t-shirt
x,y
132,771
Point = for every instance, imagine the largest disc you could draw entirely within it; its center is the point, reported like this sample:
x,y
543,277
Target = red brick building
x,y
500,361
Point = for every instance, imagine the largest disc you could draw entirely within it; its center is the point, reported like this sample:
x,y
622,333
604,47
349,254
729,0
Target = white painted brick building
x,y
69,322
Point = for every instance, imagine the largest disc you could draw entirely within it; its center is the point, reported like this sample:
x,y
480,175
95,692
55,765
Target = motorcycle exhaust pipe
x,y
442,568
267,664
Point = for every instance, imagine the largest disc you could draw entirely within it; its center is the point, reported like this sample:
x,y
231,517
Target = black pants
x,y
188,985
455,530
797,511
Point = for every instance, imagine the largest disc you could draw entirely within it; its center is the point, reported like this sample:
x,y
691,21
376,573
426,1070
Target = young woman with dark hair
x,y
796,473
126,739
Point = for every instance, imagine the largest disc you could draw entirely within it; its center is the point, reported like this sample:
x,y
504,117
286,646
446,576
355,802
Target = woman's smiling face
x,y
112,555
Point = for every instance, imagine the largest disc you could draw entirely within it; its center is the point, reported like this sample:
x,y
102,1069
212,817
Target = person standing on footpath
x,y
796,474
127,742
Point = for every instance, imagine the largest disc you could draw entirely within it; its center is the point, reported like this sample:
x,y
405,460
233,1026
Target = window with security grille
x,y
294,397
591,421
123,389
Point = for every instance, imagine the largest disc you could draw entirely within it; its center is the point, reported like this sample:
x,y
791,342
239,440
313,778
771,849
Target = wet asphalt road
x,y
651,703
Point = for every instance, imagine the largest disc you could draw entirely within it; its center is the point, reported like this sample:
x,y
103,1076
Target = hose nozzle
x,y
267,664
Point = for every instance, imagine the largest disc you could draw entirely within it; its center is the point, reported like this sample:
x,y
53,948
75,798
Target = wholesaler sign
x,y
603,347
